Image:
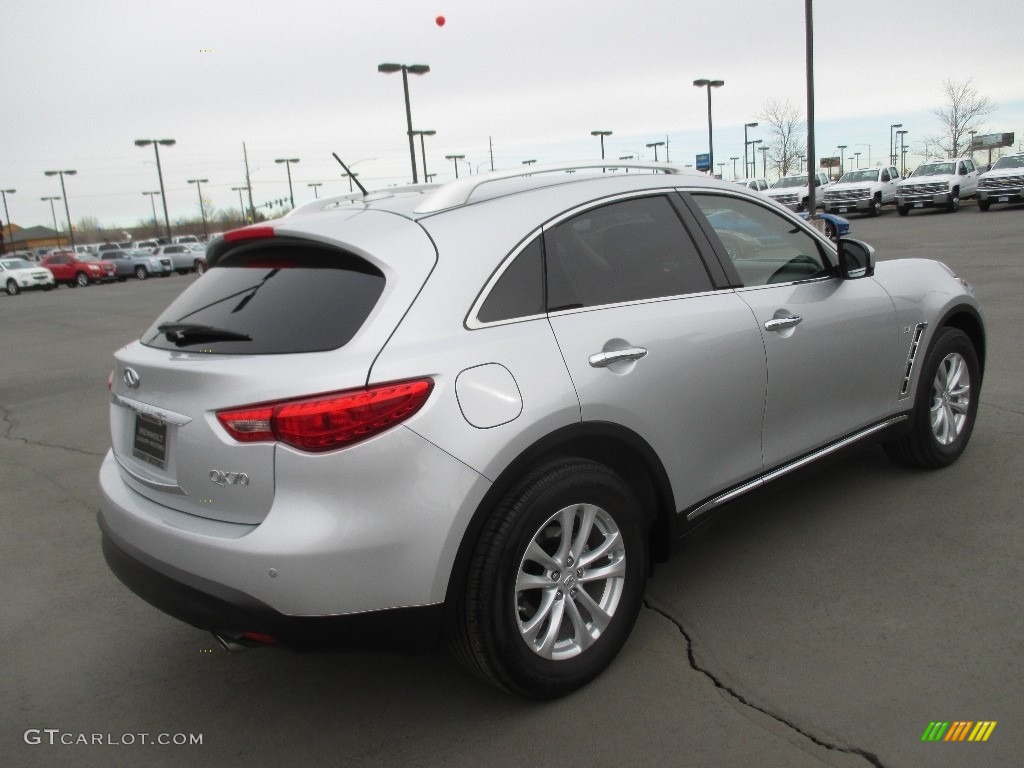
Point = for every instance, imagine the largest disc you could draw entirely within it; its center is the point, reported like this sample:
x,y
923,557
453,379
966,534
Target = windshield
x,y
1010,161
790,181
935,169
16,264
87,257
867,174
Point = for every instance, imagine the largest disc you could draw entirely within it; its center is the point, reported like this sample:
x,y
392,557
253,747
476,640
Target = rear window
x,y
271,299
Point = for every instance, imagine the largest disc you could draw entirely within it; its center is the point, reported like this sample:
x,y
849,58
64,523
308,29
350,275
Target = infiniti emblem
x,y
131,378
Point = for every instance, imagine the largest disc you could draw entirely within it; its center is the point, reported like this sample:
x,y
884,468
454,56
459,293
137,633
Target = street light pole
x,y
315,185
288,164
159,172
405,69
903,147
152,204
709,84
7,218
241,203
202,205
53,213
869,152
842,158
656,144
764,161
734,159
857,158
63,191
423,151
746,143
892,143
455,161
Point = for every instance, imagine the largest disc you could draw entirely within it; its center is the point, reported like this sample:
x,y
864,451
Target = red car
x,y
79,268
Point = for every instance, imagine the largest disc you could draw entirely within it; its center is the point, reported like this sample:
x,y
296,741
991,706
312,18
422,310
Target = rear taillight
x,y
253,232
327,422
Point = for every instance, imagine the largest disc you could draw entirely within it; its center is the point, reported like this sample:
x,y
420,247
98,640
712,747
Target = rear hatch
x,y
280,315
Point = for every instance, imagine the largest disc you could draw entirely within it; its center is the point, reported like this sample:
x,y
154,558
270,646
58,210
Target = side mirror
x,y
856,259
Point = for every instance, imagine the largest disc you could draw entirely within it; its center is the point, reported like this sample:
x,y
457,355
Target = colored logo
x,y
959,730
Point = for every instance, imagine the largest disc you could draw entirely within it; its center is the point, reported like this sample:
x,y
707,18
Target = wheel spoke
x,y
531,627
599,617
614,570
535,553
610,542
582,633
586,526
557,613
566,518
527,581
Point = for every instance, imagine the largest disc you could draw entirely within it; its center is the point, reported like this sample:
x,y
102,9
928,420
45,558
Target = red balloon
x,y
439,21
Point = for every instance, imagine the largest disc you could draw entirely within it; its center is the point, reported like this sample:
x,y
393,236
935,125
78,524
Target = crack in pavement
x,y
869,756
9,427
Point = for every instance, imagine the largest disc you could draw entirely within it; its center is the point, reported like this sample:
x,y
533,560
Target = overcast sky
x,y
81,81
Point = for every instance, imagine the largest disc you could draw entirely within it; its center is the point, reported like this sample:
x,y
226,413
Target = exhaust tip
x,y
229,644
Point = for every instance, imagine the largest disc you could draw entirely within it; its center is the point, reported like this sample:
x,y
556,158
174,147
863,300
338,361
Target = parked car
x,y
757,184
865,191
185,239
835,226
140,264
937,183
183,258
79,268
104,247
17,275
793,191
201,266
478,412
1004,183
144,245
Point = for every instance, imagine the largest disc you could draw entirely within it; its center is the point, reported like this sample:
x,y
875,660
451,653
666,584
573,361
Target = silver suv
x,y
477,413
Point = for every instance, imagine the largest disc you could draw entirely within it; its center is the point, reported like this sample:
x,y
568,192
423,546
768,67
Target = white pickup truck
x,y
865,190
793,192
937,183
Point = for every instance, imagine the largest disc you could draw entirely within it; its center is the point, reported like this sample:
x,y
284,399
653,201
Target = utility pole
x,y
248,184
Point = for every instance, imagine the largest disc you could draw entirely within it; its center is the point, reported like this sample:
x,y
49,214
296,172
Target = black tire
x,y
141,272
984,205
81,279
876,205
903,210
12,288
524,620
830,232
940,402
200,268
954,201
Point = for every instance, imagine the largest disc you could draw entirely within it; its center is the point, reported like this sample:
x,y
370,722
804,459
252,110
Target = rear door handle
x,y
604,359
782,323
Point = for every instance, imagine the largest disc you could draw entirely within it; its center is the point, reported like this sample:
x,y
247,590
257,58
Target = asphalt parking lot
x,y
824,622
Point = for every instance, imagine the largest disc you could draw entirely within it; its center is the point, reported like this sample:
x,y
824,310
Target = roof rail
x,y
458,192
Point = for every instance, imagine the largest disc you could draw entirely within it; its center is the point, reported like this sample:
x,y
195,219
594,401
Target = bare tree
x,y
786,131
960,115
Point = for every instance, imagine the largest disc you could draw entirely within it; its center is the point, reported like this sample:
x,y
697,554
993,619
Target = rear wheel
x,y
946,406
12,288
555,581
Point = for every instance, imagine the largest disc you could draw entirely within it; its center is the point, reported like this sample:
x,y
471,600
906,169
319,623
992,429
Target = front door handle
x,y
604,359
782,323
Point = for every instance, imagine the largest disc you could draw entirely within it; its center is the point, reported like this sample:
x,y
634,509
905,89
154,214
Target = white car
x,y
937,183
865,190
1004,183
17,275
183,258
793,192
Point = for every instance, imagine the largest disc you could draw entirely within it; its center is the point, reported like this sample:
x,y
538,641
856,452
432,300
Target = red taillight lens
x,y
329,421
255,232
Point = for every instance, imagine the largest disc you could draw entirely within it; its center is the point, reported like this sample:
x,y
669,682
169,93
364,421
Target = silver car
x,y
476,414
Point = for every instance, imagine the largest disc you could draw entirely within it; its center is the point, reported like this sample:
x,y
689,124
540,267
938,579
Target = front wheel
x,y
141,273
984,205
876,206
555,581
946,406
954,201
200,268
903,210
830,231
12,288
82,279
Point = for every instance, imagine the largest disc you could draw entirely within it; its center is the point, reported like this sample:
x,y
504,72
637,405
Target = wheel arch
x,y
620,449
967,319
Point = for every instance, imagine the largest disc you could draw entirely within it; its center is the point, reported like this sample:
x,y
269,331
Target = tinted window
x,y
764,245
284,298
519,291
625,251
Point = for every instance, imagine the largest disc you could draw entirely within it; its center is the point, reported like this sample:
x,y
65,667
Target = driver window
x,y
765,247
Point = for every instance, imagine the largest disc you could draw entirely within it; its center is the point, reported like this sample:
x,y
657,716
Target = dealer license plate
x,y
919,205
150,442
1004,199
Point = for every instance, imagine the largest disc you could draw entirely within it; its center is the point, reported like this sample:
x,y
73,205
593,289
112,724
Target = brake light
x,y
248,233
327,422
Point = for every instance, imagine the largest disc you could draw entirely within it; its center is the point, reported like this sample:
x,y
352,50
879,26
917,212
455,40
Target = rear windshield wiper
x,y
185,334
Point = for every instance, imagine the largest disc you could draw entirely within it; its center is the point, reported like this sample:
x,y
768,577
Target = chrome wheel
x,y
951,398
570,581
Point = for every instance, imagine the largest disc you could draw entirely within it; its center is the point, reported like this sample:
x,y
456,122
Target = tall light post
x,y
202,205
857,157
455,161
721,170
405,69
157,143
903,149
892,143
315,185
746,143
67,211
709,84
7,218
842,158
152,204
423,150
656,144
869,152
288,164
601,135
764,160
753,156
241,204
53,213
734,159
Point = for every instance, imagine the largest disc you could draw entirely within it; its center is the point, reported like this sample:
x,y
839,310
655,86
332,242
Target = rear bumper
x,y
228,612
